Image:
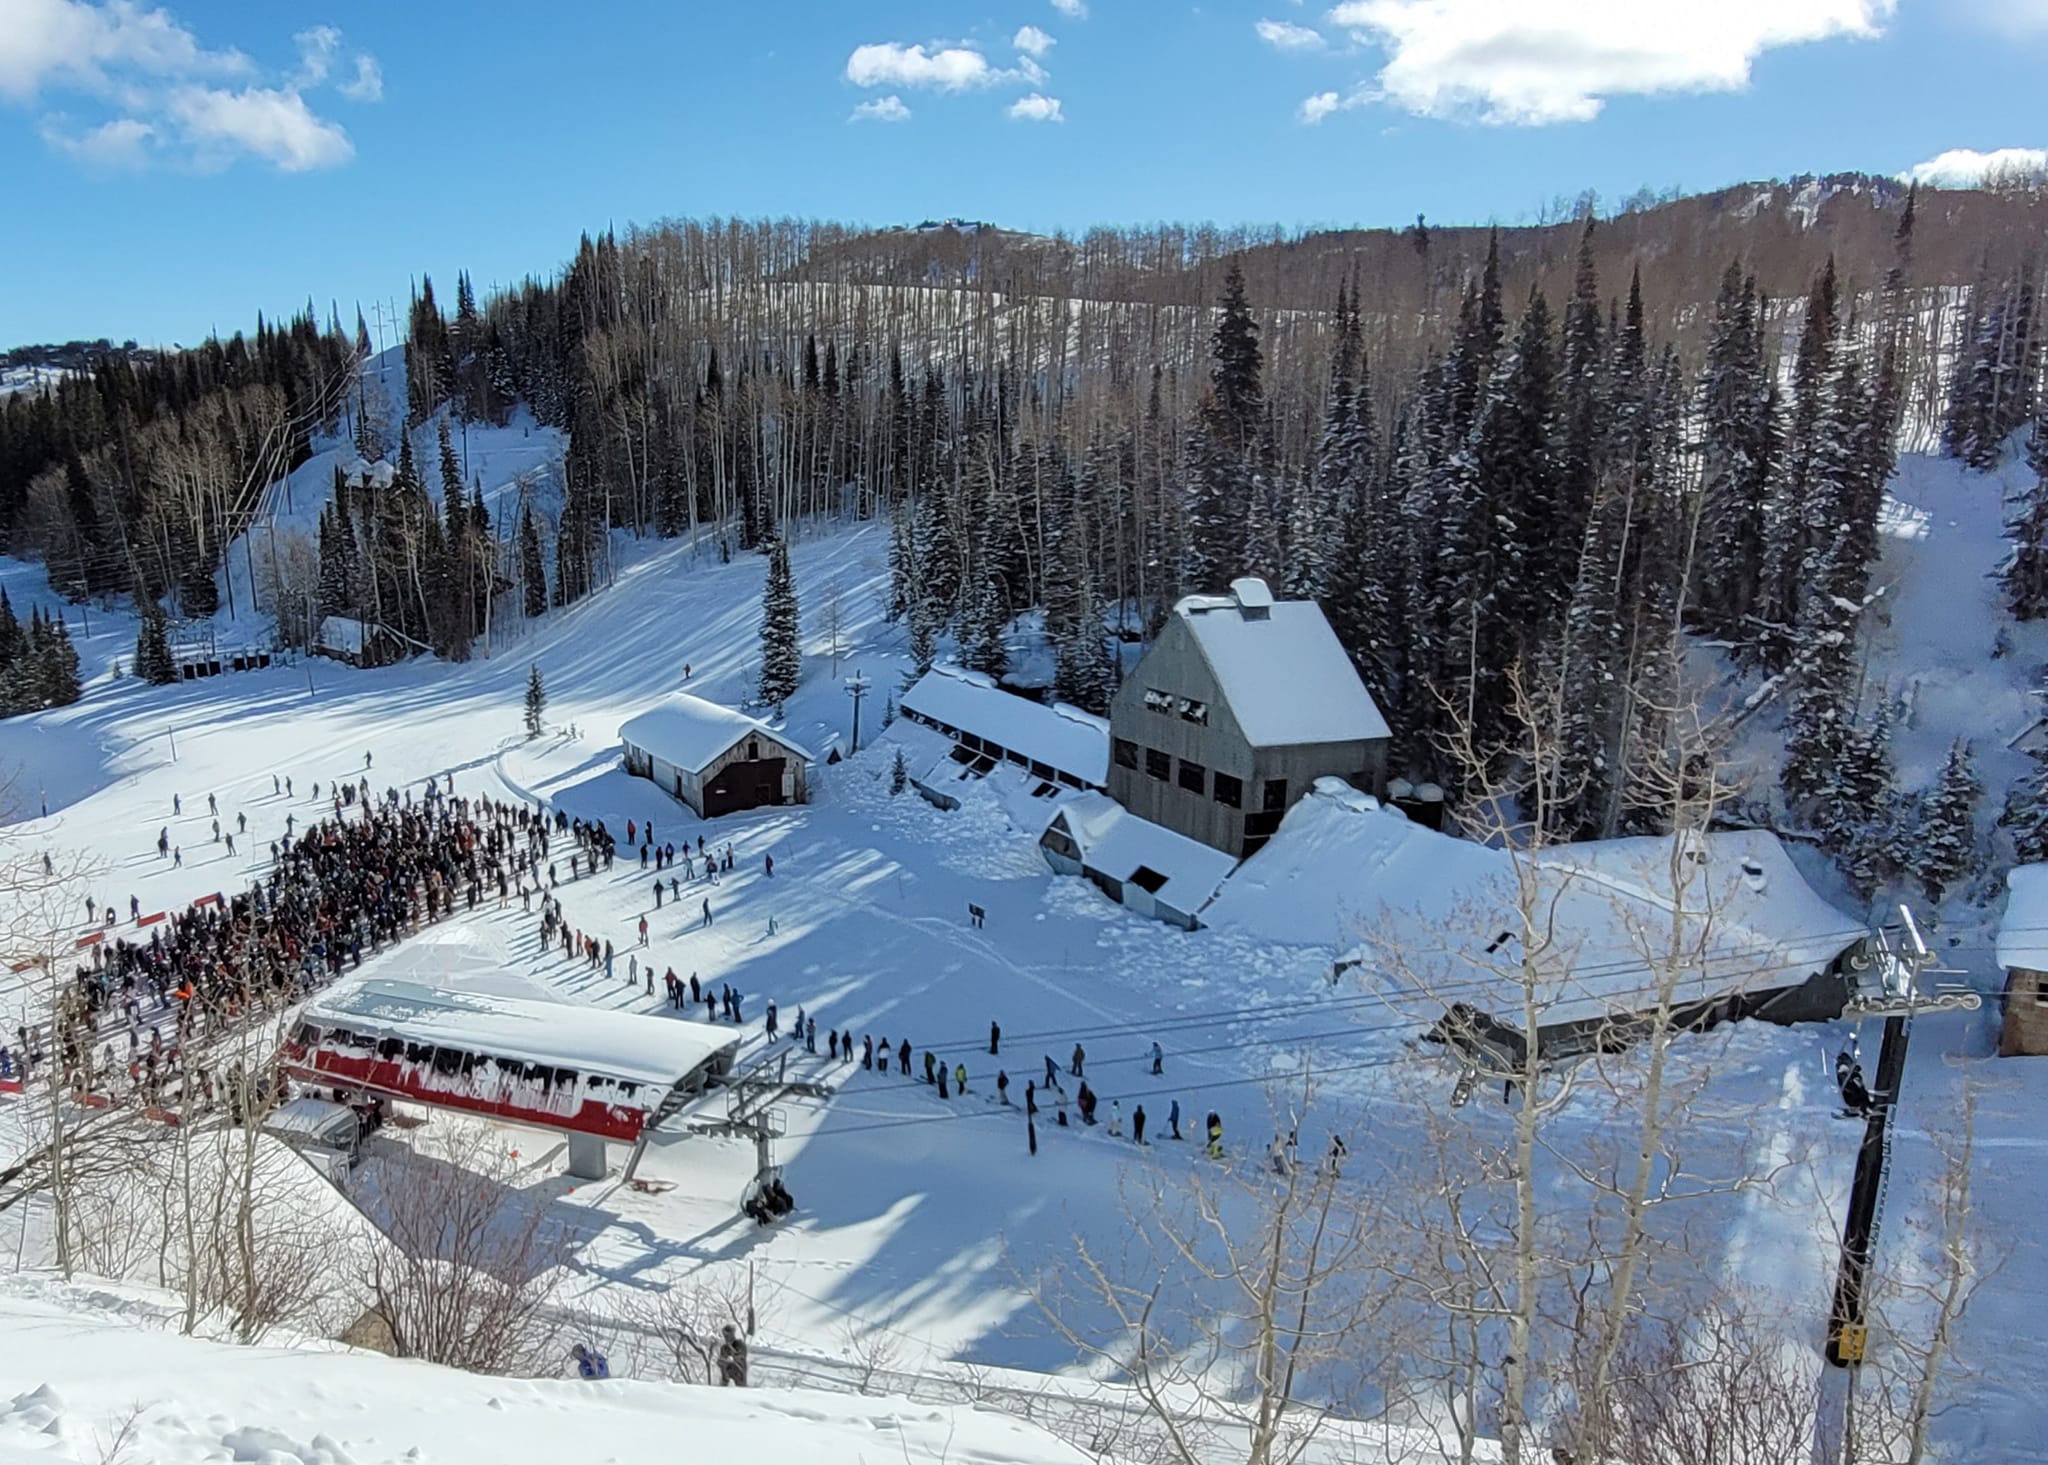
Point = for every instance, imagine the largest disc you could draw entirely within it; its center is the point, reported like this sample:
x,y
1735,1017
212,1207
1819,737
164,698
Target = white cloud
x,y
1032,41
74,44
1541,61
1968,168
1036,108
1285,35
122,143
368,85
1072,9
272,123
166,97
946,68
2013,17
881,109
1314,109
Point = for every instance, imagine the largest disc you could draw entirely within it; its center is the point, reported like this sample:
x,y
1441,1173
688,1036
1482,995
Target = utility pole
x,y
856,688
1848,1328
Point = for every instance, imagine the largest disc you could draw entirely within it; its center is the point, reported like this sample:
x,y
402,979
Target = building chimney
x,y
1254,599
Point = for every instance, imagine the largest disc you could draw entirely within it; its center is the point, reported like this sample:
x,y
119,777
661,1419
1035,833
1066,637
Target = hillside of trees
x,y
1504,459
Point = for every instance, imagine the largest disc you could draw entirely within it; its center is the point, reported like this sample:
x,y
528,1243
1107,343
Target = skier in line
x,y
1158,1060
1173,1118
1215,1135
995,1039
1138,1124
1002,1086
1080,1058
771,1020
1116,1118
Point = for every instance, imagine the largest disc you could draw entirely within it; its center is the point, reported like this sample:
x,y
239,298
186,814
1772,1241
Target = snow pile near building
x,y
97,1386
1439,917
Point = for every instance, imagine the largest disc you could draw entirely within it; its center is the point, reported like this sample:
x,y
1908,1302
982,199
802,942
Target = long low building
x,y
985,727
1440,927
716,760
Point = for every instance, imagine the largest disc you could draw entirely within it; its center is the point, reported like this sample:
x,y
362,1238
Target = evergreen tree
x,y
63,685
1786,523
1945,853
983,647
1084,673
1736,428
536,700
781,654
899,774
1223,453
10,632
2026,573
153,661
532,572
2026,811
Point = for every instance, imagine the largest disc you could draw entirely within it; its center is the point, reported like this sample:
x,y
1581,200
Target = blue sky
x,y
171,169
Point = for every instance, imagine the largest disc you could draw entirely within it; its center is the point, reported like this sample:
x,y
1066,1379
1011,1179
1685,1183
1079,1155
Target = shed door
x,y
744,785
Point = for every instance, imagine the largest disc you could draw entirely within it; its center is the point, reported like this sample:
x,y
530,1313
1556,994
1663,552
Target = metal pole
x,y
857,688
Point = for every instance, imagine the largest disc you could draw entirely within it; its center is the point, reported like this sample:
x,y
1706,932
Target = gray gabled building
x,y
1239,706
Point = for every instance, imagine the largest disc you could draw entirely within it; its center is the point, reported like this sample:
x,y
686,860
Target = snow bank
x,y
75,1382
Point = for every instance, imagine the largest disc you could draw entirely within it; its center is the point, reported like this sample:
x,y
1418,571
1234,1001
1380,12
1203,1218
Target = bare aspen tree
x,y
1236,1297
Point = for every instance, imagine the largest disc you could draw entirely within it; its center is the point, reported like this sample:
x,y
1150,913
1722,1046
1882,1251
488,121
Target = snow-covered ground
x,y
921,1222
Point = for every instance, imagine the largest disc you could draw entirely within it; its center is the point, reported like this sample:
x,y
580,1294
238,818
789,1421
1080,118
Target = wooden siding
x,y
688,785
2025,1030
1175,666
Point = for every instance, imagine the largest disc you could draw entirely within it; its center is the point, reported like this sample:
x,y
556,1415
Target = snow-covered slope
x,y
86,1385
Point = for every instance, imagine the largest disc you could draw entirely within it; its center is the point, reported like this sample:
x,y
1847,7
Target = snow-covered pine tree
x,y
2025,815
1084,673
536,699
781,653
533,575
62,686
983,647
1735,441
1224,445
1944,852
2026,572
902,559
153,648
899,774
1781,591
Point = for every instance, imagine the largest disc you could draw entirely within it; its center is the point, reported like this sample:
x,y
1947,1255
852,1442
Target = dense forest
x,y
1543,457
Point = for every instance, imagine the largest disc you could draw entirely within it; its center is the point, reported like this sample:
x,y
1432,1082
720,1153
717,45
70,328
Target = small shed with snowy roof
x,y
2023,952
1240,705
716,760
1139,864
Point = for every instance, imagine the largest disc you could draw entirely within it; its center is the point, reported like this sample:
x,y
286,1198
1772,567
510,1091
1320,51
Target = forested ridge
x,y
1501,459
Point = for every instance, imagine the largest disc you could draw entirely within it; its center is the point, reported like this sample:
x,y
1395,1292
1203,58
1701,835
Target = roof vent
x,y
1753,875
1252,597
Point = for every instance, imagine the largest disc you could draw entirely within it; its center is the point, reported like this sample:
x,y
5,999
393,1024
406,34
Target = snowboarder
x,y
811,1035
1173,1118
1158,1060
771,1020
1002,1086
1052,1073
768,863
995,1039
960,1077
930,1063
707,912
903,1058
212,805
643,930
867,1052
241,823
1116,1118
833,1036
942,1083
1079,1058
1138,1124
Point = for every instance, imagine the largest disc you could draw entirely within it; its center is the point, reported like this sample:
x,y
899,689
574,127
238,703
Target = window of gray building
x,y
1158,764
1229,791
1124,751
1195,712
1194,777
1158,701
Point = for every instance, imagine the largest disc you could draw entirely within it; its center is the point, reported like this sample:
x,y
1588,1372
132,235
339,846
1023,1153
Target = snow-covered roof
x,y
1063,737
2023,929
341,633
1118,843
690,732
1281,668
622,1045
1431,916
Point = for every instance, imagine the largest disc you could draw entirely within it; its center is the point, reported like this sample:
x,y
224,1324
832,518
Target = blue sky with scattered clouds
x,y
173,168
